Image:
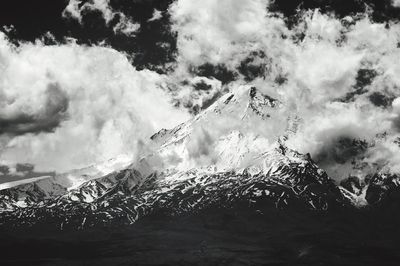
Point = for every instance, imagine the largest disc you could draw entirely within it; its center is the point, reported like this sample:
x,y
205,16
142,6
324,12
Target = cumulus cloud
x,y
76,9
337,77
67,106
213,32
337,80
126,26
396,3
157,14
340,82
16,119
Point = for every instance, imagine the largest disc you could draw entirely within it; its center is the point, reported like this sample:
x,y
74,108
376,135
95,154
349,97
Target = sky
x,y
86,81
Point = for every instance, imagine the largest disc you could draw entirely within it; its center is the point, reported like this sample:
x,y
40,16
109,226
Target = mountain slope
x,y
205,163
290,181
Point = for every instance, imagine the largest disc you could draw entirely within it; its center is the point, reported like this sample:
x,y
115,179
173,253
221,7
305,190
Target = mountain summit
x,y
207,162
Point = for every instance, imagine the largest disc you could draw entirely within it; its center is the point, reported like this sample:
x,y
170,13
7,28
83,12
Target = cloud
x,y
46,119
68,106
157,14
77,9
72,10
211,32
396,3
126,26
336,77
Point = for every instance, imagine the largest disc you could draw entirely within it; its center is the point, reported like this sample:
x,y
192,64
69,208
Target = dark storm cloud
x,y
54,112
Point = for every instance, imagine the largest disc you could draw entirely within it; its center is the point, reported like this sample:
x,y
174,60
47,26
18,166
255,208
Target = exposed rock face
x,y
291,181
249,171
383,187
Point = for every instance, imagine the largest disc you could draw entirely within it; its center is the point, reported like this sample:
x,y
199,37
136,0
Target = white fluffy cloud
x,y
125,24
396,3
214,32
108,107
100,106
157,14
321,59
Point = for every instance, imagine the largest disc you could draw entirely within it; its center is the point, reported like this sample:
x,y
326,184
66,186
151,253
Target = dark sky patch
x,y
254,66
220,72
33,18
153,46
364,78
202,86
380,99
382,10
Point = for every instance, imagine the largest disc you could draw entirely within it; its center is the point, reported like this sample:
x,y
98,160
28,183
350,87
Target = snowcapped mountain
x,y
204,163
33,191
378,189
215,139
291,181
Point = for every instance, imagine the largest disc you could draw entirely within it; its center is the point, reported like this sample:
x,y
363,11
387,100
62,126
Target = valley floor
x,y
216,237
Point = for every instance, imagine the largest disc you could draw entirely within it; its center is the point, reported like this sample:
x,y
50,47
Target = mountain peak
x,y
219,156
247,97
260,103
241,104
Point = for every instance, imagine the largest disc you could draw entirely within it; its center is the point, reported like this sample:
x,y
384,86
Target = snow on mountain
x,y
246,103
209,160
124,181
215,138
31,191
75,178
373,190
288,180
22,182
